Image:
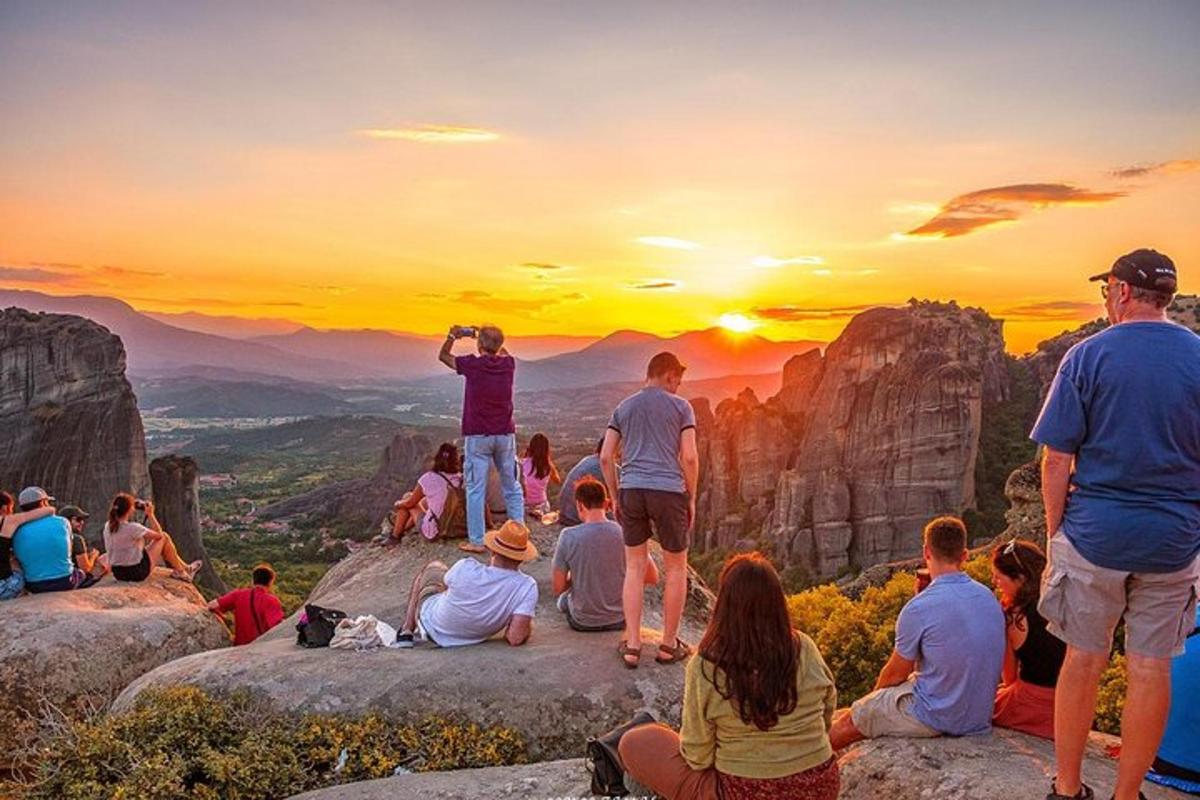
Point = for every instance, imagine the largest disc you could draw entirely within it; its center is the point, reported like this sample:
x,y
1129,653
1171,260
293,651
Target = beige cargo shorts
x,y
888,712
1083,603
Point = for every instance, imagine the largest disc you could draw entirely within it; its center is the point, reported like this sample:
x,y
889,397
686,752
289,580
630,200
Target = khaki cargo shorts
x,y
888,712
1083,603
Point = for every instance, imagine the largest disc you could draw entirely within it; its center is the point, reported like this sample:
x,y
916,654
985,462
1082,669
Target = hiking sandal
x,y
624,651
673,654
468,547
1085,793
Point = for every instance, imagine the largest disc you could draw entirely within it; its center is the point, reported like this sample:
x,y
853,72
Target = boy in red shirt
x,y
255,609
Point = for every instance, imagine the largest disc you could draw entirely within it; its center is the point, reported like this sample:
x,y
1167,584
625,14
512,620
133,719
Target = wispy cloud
x,y
973,211
487,301
796,313
771,262
1052,310
1161,168
217,302
656,285
669,242
542,266
32,275
432,134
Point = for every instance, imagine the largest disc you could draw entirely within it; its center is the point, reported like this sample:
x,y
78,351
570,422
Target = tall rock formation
x,y
862,446
176,486
69,420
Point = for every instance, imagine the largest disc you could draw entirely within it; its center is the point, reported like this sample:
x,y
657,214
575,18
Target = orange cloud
x,y
970,212
656,285
432,134
1053,310
805,314
31,275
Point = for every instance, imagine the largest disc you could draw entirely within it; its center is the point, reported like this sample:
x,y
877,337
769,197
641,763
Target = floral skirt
x,y
818,783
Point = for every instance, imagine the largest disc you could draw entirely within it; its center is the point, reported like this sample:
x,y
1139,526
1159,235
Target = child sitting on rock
x,y
537,471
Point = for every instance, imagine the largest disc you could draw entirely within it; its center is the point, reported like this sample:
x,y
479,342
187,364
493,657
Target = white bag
x,y
362,633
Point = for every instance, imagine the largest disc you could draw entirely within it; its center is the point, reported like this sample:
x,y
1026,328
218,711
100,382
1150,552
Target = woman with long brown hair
x,y
1034,656
134,549
537,471
758,702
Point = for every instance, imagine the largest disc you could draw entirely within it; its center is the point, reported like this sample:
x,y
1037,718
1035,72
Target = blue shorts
x,y
12,586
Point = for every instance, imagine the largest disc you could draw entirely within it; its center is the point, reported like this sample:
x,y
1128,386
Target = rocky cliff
x,y
364,502
176,486
861,446
68,417
74,651
557,689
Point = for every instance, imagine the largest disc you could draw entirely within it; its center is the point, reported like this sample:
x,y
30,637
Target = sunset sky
x,y
570,167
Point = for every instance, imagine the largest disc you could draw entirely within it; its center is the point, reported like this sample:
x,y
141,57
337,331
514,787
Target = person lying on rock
x,y
12,578
1033,657
758,701
134,549
489,435
952,635
654,495
537,472
471,602
588,466
255,608
423,508
589,564
87,558
43,548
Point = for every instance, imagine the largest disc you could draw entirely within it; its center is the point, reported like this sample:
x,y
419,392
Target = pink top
x,y
535,487
436,487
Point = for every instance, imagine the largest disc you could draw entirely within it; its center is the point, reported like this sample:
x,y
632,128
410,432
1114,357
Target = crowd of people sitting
x,y
760,717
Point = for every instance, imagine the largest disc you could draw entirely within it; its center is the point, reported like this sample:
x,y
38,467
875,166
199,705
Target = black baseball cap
x,y
1145,268
71,512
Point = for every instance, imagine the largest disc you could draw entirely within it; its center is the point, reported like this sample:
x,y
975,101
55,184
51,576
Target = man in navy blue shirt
x,y
1121,484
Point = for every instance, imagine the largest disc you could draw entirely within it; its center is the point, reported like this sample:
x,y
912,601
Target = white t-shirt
x,y
478,602
126,544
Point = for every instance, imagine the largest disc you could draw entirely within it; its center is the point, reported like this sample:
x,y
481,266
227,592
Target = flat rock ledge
x,y
556,690
77,650
1003,766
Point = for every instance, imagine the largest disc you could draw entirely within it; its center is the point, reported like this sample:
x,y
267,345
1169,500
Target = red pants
x,y
1027,708
651,755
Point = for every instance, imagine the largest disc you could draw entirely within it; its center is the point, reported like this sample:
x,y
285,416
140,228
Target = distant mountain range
x,y
189,345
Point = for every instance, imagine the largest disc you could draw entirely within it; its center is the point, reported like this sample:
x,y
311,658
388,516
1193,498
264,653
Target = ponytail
x,y
121,505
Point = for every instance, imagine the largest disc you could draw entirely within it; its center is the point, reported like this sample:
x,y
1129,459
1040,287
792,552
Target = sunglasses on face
x,y
1106,288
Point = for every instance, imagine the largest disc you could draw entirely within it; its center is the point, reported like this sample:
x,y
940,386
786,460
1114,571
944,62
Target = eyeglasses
x,y
1104,288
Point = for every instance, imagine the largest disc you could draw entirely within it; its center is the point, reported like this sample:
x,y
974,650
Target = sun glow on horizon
x,y
737,323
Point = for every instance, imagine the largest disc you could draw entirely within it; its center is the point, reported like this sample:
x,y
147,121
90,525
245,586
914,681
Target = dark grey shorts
x,y
652,512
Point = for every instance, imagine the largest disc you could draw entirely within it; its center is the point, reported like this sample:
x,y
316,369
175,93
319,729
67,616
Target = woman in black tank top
x,y
1034,656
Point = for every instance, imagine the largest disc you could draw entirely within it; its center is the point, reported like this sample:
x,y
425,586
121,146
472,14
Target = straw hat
x,y
511,541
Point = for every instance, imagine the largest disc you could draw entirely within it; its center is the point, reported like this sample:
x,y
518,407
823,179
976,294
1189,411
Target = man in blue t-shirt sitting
x,y
951,635
44,549
1121,484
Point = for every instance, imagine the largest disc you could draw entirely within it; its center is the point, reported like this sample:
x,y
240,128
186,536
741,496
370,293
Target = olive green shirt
x,y
713,733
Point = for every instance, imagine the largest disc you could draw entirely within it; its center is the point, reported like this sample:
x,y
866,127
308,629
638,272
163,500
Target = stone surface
x,y
1002,766
78,649
861,446
176,487
364,501
558,689
68,417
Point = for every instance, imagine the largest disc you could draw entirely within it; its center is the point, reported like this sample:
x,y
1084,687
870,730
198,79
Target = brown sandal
x,y
673,654
625,651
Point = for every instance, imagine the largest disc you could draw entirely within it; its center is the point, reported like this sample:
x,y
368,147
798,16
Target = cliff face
x,y
68,417
861,446
176,483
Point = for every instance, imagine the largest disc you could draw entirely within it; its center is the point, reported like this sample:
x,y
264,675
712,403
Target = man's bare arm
x,y
1056,481
444,355
894,672
519,628
608,465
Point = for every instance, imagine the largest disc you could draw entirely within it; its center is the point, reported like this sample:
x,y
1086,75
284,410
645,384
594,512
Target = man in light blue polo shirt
x,y
951,636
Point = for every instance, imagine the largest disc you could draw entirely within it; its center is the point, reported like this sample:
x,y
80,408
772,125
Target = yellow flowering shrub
x,y
180,743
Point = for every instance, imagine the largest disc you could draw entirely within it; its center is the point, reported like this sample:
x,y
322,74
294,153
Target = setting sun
x,y
738,323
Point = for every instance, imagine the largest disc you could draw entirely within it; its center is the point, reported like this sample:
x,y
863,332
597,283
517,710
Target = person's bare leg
x,y
1074,708
843,732
410,613
631,594
1147,701
155,550
674,594
173,559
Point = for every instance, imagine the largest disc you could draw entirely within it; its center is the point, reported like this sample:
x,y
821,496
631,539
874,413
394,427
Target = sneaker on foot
x,y
193,568
404,641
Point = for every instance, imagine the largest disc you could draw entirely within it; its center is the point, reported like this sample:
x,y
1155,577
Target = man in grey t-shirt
x,y
589,564
655,430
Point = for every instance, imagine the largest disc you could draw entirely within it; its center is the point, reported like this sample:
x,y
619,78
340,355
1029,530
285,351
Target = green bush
x,y
180,743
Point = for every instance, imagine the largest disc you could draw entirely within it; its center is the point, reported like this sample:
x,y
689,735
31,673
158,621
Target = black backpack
x,y
317,630
604,762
